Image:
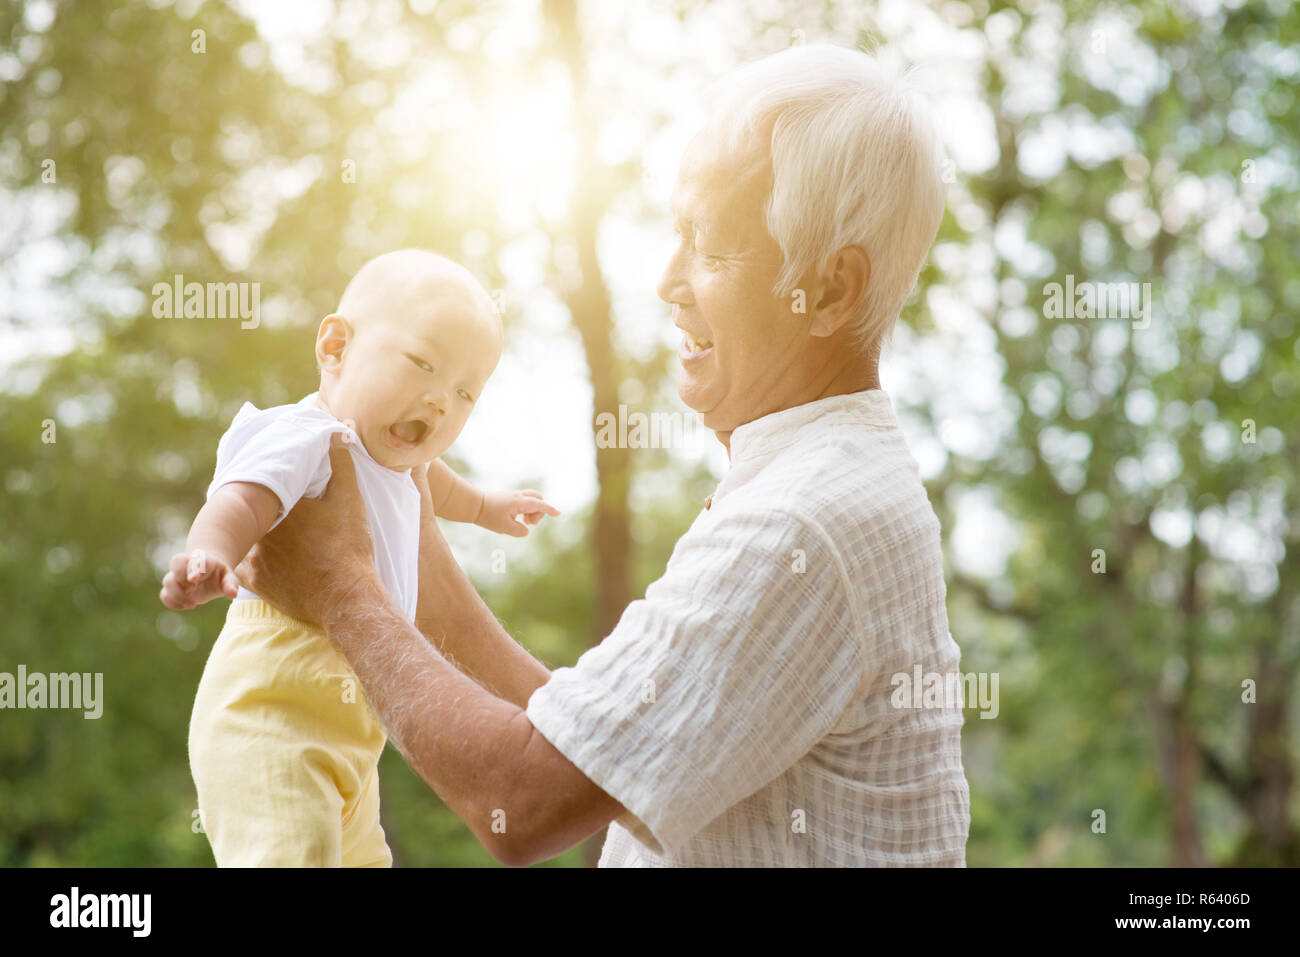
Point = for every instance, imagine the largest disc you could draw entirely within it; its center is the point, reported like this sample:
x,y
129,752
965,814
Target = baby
x,y
284,747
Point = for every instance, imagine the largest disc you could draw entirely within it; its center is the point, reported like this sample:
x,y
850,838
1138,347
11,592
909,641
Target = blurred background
x,y
1118,500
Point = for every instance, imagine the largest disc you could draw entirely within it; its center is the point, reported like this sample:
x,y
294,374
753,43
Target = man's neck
x,y
859,379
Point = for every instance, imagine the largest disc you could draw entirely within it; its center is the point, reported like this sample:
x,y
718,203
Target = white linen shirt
x,y
742,711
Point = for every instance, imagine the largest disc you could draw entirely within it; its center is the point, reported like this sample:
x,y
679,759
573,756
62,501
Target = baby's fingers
x,y
534,504
173,594
198,567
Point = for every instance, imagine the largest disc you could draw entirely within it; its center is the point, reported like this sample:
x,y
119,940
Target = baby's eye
x,y
420,362
464,395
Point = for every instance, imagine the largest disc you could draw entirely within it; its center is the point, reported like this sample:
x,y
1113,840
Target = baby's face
x,y
417,357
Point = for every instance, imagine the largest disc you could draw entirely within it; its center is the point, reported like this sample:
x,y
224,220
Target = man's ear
x,y
842,289
332,340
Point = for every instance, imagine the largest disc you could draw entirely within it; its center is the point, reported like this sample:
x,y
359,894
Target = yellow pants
x,y
284,748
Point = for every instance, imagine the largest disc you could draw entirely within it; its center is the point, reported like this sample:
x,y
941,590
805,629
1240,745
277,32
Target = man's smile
x,y
693,344
692,348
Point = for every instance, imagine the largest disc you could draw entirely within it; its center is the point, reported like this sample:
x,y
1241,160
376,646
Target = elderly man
x,y
741,713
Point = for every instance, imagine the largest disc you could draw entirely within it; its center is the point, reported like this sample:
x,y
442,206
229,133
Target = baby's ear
x,y
332,339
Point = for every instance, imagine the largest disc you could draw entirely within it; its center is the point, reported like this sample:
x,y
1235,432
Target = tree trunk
x,y
1266,796
1178,754
589,304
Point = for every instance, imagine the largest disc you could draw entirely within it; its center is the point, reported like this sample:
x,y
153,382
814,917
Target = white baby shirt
x,y
286,449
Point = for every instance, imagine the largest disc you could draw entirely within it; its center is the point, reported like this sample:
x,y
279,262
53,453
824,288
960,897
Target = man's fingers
x,y
245,571
342,470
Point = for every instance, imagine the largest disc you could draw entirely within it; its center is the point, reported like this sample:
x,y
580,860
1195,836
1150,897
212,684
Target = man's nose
x,y
673,287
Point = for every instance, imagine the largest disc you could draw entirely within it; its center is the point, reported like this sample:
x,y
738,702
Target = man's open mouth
x,y
693,346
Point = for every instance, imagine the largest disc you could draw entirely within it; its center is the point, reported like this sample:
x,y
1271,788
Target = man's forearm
x,y
454,618
453,733
489,655
479,753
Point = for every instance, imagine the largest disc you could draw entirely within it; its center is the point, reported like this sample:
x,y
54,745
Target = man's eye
x,y
420,362
705,256
464,395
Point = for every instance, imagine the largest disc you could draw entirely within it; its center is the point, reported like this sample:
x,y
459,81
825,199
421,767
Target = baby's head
x,y
407,354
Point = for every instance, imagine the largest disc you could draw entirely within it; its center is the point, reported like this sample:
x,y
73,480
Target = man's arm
x,y
479,752
523,799
452,615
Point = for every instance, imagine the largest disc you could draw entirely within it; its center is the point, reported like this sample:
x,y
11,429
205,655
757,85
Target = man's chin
x,y
705,407
696,399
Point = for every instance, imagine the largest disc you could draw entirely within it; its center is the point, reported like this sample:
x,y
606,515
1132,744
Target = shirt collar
x,y
755,443
311,402
775,431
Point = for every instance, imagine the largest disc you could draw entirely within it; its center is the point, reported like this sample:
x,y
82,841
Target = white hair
x,y
856,161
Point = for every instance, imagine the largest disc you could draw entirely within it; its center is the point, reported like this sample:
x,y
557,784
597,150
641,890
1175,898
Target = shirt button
x,y
708,502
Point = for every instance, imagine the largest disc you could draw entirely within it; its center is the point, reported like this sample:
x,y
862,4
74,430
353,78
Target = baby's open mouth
x,y
412,431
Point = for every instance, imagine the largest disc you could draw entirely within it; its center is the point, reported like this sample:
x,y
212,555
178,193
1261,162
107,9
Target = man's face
x,y
412,372
743,348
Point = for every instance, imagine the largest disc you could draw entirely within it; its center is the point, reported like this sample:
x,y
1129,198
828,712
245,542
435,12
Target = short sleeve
x,y
738,661
284,449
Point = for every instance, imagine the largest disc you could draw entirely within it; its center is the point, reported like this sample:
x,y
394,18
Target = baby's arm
x,y
459,501
453,498
231,522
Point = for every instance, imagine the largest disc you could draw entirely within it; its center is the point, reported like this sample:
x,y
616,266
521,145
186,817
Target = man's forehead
x,y
712,180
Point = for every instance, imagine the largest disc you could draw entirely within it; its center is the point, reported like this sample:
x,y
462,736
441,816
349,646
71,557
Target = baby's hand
x,y
197,577
501,511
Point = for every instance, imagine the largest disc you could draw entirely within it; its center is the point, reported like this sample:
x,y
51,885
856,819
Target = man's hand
x,y
322,551
420,476
196,577
502,511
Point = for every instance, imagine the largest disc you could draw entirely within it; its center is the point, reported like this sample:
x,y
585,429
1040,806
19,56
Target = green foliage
x,y
163,155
